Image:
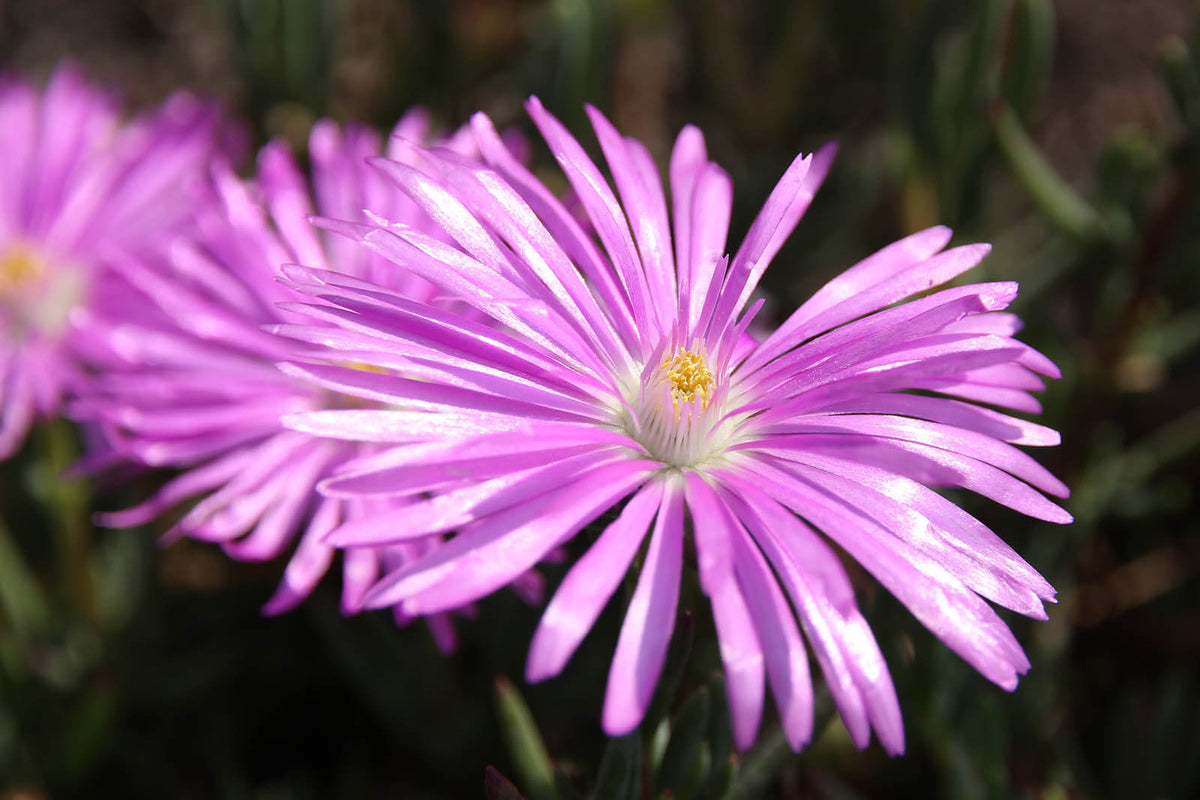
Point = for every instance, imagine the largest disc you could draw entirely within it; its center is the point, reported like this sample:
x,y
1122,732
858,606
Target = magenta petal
x,y
956,615
854,669
649,622
602,209
496,550
775,623
587,587
360,570
308,564
458,507
741,652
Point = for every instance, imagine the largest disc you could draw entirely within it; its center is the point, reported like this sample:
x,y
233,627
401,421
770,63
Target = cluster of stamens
x,y
676,409
19,266
35,294
689,375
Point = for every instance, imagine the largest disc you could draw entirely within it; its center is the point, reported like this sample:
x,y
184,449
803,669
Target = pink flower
x,y
79,190
623,377
190,381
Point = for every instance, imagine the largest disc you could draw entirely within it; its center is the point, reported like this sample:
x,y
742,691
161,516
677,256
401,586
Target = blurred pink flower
x,y
190,382
79,191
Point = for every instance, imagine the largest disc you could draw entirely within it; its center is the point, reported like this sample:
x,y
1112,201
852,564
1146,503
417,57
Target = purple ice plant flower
x,y
623,377
78,188
189,380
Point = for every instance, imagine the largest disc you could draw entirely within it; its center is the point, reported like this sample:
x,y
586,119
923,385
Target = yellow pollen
x,y
689,374
19,264
362,366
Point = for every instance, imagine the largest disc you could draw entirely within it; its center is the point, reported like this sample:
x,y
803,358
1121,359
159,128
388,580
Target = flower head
x,y
79,191
624,376
191,382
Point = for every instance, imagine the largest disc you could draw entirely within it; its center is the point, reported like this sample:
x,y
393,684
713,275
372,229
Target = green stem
x,y
68,503
1065,209
22,600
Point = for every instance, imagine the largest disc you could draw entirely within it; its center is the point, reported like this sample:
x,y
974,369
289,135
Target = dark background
x,y
1067,133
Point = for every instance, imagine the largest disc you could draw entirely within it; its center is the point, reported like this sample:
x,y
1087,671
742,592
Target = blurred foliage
x,y
136,672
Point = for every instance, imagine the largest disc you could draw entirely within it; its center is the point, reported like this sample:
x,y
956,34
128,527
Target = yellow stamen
x,y
362,366
19,265
689,374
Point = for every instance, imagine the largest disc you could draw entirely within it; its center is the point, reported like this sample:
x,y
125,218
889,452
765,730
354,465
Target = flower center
x,y
37,292
688,374
677,411
20,266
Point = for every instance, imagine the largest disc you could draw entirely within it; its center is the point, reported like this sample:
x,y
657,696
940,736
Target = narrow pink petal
x,y
566,231
943,437
495,550
641,194
775,623
286,195
408,392
787,203
958,528
854,668
588,586
448,211
1012,399
602,208
409,468
396,425
494,294
223,516
441,627
308,563
923,463
952,412
954,359
394,318
886,332
959,617
360,570
688,157
278,526
649,622
894,273
747,264
17,411
741,652
711,208
458,507
546,267
897,257
975,570
189,484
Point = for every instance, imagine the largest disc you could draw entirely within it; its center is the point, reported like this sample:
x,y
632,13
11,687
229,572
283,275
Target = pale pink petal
x,y
649,622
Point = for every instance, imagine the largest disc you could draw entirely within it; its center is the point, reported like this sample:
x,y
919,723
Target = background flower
x,y
80,191
191,383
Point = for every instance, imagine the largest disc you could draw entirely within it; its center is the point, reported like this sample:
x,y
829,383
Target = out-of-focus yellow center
x,y
689,375
363,366
19,266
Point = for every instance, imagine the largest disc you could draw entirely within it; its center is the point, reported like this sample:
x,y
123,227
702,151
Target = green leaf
x,y
525,744
22,601
687,735
1052,196
620,776
1182,76
1031,55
